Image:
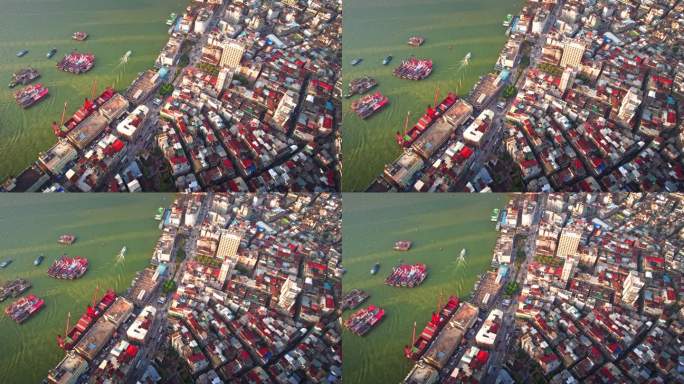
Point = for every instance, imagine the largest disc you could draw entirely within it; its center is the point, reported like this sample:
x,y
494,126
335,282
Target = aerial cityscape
x,y
583,97
241,98
238,288
574,288
403,191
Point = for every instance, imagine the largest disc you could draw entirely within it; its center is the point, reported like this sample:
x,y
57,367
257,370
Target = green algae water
x,y
374,29
439,226
29,226
115,27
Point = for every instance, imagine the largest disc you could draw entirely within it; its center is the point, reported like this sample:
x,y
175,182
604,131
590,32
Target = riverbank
x,y
439,226
114,28
378,28
29,226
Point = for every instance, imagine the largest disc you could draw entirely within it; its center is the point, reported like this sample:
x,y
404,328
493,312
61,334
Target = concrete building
x,y
228,245
68,370
568,242
486,336
572,54
288,294
631,288
568,268
226,269
232,53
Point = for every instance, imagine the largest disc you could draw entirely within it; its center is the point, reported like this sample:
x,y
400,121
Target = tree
x,y
509,92
166,89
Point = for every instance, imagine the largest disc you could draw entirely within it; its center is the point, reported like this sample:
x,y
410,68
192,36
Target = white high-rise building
x,y
631,288
288,293
226,269
568,268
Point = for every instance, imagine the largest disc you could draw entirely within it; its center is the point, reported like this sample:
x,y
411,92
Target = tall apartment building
x,y
228,245
568,242
232,54
631,288
572,54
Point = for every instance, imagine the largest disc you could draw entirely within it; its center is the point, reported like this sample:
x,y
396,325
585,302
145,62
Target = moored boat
x,y
22,309
431,330
416,41
414,69
407,275
431,115
67,239
23,76
31,95
402,245
361,85
77,62
38,260
353,299
92,313
363,320
369,104
13,288
68,268
79,36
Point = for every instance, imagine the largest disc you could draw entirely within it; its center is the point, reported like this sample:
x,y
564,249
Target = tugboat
x,y
402,245
387,60
356,61
5,263
38,260
22,53
51,53
79,36
375,269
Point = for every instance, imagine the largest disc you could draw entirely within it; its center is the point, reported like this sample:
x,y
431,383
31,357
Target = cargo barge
x,y
407,275
431,330
414,69
353,299
361,322
22,309
23,77
431,115
369,105
89,106
360,86
68,268
31,95
13,288
77,62
93,312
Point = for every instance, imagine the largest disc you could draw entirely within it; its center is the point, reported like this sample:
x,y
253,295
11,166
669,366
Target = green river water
x,y
439,226
374,29
29,226
115,27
